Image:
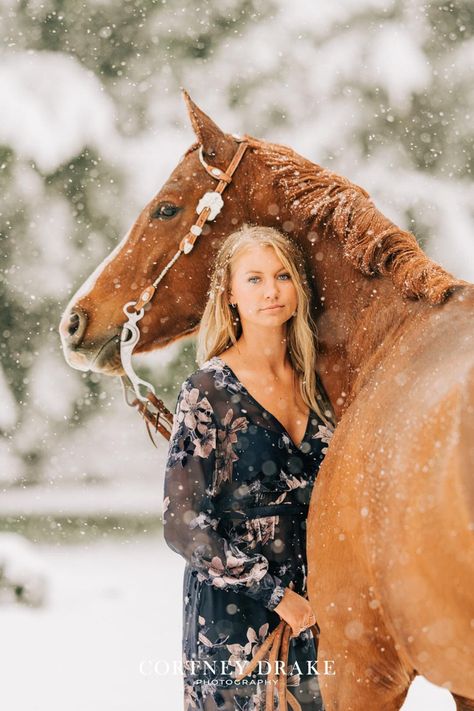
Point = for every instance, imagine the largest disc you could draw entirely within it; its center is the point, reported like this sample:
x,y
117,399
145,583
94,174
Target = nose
x,y
72,327
271,290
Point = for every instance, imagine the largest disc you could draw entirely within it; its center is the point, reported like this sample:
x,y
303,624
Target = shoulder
x,y
203,389
213,379
203,379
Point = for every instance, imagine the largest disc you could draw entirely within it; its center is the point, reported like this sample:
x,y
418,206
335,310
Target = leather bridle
x,y
153,409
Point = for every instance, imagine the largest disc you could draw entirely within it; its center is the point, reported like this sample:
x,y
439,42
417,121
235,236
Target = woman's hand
x,y
296,611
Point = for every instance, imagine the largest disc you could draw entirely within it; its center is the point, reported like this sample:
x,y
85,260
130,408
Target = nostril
x,y
73,324
73,327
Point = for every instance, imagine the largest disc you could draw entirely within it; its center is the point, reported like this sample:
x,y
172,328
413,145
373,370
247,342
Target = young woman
x,y
247,441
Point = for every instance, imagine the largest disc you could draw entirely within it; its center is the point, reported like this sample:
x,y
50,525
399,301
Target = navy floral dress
x,y
236,496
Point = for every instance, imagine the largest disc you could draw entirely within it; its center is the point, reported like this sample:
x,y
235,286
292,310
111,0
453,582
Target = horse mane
x,y
371,242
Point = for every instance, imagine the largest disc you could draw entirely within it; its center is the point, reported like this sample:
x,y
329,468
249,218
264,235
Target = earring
x,y
234,305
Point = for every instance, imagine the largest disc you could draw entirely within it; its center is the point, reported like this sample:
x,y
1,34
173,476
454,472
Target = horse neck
x,y
354,323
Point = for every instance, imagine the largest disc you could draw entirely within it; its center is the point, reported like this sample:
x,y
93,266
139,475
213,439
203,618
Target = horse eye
x,y
165,210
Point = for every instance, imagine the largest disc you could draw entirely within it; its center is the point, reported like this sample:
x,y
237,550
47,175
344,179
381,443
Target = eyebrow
x,y
254,271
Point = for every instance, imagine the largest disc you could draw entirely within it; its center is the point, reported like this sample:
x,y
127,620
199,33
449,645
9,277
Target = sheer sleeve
x,y
189,520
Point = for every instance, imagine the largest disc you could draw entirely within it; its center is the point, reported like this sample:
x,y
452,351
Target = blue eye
x,y
285,277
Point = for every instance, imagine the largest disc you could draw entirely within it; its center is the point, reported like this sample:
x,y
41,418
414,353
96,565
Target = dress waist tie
x,y
263,511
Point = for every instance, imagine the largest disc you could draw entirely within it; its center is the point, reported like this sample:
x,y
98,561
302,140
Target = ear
x,y
209,135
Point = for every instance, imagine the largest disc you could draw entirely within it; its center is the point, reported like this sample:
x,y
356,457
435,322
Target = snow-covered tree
x,y
92,122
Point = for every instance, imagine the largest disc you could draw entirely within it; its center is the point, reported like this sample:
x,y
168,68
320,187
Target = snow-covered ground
x,y
113,611
112,606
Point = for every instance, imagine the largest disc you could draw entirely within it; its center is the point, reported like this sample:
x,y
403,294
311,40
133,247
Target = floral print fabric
x,y
236,494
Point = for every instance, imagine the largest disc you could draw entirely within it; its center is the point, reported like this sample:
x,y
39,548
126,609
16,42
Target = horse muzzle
x,y
100,355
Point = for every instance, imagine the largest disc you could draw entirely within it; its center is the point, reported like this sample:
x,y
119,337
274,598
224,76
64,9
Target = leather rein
x,y
152,409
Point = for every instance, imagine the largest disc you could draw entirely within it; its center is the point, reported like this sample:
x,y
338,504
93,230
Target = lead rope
x,y
275,649
150,407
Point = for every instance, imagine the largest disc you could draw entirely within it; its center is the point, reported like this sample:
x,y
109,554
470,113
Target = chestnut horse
x,y
391,521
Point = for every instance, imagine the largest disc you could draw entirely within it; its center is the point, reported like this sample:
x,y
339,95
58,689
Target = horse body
x,y
390,524
392,515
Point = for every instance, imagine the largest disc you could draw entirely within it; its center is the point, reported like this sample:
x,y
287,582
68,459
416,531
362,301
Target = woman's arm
x,y
188,508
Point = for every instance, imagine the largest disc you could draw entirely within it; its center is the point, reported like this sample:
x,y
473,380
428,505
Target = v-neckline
x,y
259,404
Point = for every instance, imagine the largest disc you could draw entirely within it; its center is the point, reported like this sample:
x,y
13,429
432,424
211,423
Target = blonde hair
x,y
220,325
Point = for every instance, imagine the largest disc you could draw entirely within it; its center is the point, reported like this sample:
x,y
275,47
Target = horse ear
x,y
207,132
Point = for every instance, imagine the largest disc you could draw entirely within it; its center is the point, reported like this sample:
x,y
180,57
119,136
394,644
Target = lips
x,y
273,308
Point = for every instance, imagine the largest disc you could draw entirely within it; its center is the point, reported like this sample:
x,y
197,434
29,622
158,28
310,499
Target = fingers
x,y
298,632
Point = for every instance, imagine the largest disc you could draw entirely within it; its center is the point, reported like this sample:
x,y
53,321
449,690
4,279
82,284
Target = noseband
x,y
149,405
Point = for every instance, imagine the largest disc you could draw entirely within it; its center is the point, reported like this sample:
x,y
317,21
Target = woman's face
x,y
262,288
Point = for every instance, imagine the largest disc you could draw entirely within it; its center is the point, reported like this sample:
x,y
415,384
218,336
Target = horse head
x,y
92,321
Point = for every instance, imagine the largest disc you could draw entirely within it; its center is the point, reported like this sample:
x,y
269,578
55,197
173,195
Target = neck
x,y
270,344
363,266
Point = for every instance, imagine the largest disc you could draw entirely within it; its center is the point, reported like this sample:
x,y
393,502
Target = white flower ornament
x,y
213,200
